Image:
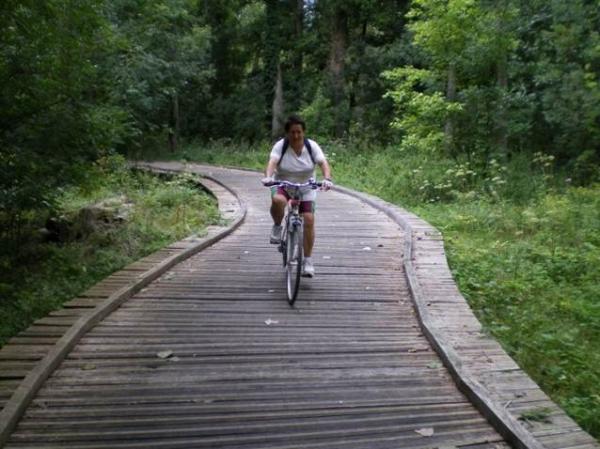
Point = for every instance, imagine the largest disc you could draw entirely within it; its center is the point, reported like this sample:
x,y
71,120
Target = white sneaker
x,y
275,238
308,269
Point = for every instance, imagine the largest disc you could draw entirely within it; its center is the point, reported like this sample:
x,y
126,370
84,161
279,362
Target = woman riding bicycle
x,y
294,159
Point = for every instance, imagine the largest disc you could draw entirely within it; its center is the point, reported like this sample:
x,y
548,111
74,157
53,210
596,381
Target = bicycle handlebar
x,y
312,184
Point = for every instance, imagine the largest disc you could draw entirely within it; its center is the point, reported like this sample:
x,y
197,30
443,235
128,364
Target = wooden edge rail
x,y
506,424
30,385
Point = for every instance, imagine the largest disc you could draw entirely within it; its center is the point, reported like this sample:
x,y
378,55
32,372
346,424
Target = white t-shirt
x,y
295,168
298,169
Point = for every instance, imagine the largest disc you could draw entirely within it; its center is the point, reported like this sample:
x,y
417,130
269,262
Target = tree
x,y
559,64
55,115
273,71
163,51
445,30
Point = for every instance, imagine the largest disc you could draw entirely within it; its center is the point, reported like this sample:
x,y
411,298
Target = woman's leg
x,y
278,203
309,233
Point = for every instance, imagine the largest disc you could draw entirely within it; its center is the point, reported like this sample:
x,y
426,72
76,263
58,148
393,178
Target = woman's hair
x,y
294,120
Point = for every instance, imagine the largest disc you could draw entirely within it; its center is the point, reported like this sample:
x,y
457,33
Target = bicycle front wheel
x,y
295,255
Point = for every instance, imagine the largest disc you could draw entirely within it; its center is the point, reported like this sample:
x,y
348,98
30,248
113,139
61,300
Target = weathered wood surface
x,y
211,355
58,337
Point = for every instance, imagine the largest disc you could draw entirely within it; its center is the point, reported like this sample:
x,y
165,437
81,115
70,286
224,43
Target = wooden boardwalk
x,y
210,355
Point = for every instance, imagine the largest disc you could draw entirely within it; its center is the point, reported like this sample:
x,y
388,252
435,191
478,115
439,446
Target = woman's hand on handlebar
x,y
267,181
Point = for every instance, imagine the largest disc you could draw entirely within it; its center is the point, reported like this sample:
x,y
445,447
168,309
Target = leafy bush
x,y
47,274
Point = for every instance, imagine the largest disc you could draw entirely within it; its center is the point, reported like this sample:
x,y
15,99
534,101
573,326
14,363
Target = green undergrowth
x,y
522,243
531,273
158,211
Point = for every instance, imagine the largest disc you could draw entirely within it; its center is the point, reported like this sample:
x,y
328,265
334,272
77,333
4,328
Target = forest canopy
x,y
478,80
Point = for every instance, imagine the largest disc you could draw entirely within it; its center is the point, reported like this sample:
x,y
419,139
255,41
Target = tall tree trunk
x,y
271,56
174,123
450,96
501,120
295,82
278,107
502,25
298,30
356,113
337,56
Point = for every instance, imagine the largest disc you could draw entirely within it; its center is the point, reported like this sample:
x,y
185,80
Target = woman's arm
x,y
325,169
271,167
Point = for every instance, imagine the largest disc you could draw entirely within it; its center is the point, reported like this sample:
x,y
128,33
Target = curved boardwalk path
x,y
211,356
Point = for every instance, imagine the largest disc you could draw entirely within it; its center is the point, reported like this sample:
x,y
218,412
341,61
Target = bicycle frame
x,y
293,223
292,220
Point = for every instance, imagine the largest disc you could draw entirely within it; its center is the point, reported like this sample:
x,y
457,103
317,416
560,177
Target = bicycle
x,y
291,246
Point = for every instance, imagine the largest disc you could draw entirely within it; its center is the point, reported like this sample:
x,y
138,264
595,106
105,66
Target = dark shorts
x,y
305,206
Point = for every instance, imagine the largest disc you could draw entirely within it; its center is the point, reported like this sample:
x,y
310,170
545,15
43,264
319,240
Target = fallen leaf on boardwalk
x,y
367,248
425,431
175,359
413,350
447,447
271,291
246,252
434,365
269,321
380,245
326,257
88,366
164,354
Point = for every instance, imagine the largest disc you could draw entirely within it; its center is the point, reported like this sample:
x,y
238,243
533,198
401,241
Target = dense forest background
x,y
473,80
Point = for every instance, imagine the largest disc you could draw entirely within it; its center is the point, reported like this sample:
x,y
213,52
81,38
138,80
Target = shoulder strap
x,y
286,144
310,153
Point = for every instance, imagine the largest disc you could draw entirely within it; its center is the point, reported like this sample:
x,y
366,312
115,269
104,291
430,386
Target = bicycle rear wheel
x,y
295,255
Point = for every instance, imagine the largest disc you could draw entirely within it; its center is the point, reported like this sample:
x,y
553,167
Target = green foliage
x,y
162,53
54,119
47,274
421,114
319,115
530,272
444,28
526,80
564,73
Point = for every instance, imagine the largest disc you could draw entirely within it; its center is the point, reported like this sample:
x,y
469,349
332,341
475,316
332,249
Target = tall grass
x,y
523,245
